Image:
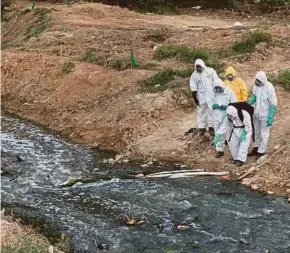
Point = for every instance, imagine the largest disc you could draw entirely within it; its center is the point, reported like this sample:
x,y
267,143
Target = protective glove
x,y
223,107
215,106
194,96
243,136
252,100
271,115
217,139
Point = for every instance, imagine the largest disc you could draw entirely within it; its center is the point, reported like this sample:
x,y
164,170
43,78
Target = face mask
x,y
218,89
230,77
198,68
258,83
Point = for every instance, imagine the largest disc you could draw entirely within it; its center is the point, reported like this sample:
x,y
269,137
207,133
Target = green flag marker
x,y
134,61
33,4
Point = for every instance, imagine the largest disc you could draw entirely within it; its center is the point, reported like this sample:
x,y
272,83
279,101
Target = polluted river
x,y
201,214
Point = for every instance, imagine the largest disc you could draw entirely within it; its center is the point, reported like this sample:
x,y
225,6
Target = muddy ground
x,y
100,106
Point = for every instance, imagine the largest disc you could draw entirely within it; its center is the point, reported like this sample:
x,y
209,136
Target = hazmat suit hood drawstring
x,y
261,75
200,62
231,71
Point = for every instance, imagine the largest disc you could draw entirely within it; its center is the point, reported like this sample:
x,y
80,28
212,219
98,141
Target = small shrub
x,y
121,62
68,67
92,56
40,24
248,44
159,81
183,53
183,72
282,78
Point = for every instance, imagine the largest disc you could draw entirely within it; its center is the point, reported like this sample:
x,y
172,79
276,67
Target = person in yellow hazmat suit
x,y
236,84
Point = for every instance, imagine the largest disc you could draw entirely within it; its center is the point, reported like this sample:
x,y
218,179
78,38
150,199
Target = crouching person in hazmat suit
x,y
239,124
222,97
265,101
201,84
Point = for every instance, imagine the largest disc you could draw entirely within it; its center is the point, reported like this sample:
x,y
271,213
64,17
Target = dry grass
x,y
17,238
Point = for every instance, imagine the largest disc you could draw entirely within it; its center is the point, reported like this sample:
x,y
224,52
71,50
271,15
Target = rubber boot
x,y
201,131
239,163
219,154
254,152
234,161
258,155
211,131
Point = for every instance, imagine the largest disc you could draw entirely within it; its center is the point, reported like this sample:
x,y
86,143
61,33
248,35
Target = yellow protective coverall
x,y
237,85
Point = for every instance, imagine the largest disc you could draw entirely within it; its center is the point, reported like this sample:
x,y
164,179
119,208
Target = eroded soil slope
x,y
48,77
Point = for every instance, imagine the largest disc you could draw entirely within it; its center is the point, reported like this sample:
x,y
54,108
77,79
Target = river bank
x,y
52,80
115,213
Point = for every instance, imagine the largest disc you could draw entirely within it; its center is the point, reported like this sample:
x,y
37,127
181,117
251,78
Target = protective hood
x,y
199,62
261,75
231,71
232,111
219,82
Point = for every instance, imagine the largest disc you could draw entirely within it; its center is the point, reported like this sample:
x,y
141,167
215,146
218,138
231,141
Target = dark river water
x,y
222,217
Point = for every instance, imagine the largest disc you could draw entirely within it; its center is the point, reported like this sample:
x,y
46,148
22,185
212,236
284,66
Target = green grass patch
x,y
88,180
8,44
282,78
189,55
27,244
161,80
92,56
182,53
40,24
248,44
68,67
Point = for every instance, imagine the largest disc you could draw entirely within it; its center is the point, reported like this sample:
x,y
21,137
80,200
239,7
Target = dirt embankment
x,y
48,79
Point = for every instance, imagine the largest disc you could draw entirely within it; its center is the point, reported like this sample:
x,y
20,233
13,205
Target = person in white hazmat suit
x,y
238,122
201,84
265,102
221,99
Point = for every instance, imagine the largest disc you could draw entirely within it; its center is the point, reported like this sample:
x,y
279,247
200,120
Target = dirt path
x,y
101,106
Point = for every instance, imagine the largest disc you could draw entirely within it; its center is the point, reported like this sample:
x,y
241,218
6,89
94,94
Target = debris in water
x,y
18,158
196,244
244,241
132,222
102,246
225,193
224,178
182,227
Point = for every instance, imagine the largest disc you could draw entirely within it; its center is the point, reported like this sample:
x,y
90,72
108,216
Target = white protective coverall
x,y
265,96
203,84
238,148
219,114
